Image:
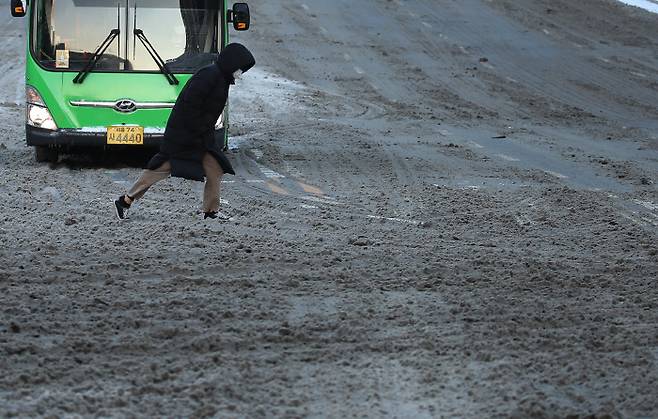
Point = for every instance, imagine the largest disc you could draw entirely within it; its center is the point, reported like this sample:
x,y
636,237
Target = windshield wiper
x,y
156,57
97,55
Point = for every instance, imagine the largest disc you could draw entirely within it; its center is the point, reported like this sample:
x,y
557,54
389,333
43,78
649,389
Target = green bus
x,y
106,73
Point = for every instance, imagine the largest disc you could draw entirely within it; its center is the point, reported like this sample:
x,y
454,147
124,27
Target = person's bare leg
x,y
214,173
145,181
139,188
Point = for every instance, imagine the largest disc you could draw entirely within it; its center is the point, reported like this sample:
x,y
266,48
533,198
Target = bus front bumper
x,y
81,138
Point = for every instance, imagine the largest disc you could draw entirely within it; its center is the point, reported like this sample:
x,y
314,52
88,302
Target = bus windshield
x,y
185,33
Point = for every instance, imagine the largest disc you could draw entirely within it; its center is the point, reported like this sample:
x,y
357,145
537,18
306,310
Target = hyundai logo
x,y
125,106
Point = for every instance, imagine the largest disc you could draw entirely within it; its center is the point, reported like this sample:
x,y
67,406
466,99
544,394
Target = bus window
x,y
185,33
72,33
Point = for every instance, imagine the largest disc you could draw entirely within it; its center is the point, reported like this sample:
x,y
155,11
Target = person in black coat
x,y
190,149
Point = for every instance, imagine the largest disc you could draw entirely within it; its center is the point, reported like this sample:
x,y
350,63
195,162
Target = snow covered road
x,y
441,209
650,5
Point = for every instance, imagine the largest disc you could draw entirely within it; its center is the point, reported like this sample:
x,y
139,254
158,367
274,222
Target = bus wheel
x,y
45,154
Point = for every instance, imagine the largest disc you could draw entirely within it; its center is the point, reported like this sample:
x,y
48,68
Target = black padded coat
x,y
190,131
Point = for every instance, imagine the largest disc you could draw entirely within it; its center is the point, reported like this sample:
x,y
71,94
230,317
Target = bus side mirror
x,y
240,17
17,8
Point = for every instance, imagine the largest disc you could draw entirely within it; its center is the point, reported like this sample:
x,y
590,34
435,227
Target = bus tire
x,y
45,154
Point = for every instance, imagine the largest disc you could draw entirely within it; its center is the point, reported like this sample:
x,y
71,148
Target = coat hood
x,y
235,57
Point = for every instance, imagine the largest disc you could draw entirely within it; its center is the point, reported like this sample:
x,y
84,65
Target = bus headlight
x,y
38,114
40,117
220,122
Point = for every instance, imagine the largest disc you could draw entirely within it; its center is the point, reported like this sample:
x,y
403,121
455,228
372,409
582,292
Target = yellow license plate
x,y
125,135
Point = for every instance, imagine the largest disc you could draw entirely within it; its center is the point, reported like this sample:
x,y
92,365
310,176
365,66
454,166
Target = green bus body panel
x,y
58,90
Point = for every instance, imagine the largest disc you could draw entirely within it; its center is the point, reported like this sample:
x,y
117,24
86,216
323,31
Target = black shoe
x,y
216,215
121,208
